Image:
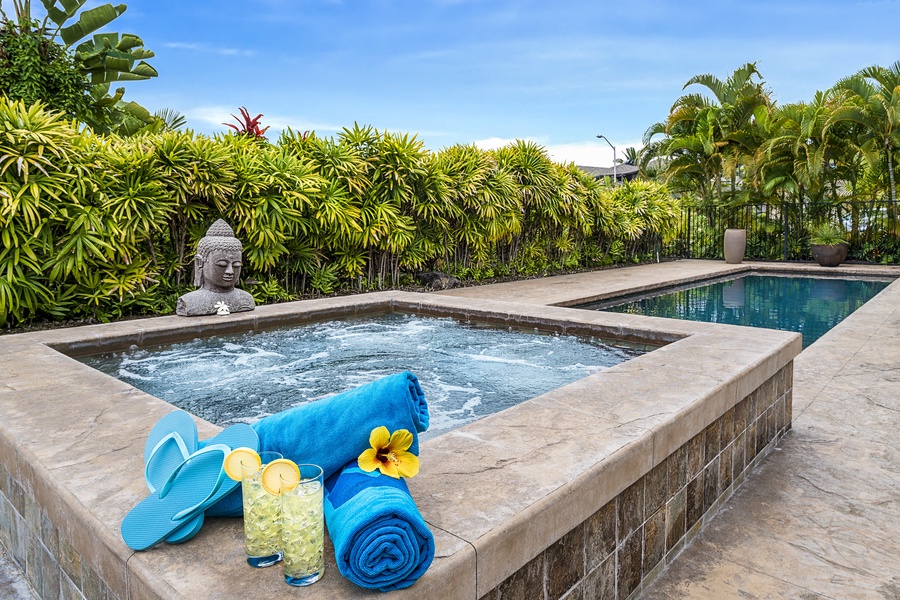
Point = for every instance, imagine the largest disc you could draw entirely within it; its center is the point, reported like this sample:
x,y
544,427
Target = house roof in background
x,y
621,171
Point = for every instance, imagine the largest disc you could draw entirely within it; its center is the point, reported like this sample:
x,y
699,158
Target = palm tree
x,y
708,138
796,154
631,156
170,119
794,163
871,98
689,164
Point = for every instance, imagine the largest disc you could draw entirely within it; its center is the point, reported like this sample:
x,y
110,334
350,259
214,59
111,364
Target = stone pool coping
x,y
826,508
493,492
604,284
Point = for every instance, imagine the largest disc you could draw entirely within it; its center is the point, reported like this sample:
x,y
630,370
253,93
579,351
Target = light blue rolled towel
x,y
333,431
381,541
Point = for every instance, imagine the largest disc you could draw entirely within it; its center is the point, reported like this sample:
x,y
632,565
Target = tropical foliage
x,y
831,158
709,142
247,126
33,68
103,226
65,64
826,234
102,222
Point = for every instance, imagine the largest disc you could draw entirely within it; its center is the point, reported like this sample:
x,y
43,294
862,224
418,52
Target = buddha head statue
x,y
217,265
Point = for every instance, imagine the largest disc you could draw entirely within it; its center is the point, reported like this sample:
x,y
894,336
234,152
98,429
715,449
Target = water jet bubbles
x,y
507,364
133,348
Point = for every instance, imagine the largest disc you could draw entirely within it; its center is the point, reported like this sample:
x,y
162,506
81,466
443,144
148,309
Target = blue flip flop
x,y
172,440
239,435
195,484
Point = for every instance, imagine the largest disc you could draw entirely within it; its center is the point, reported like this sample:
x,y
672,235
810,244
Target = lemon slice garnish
x,y
239,458
280,475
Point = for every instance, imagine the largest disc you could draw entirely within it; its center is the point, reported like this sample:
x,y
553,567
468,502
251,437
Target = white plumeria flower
x,y
222,308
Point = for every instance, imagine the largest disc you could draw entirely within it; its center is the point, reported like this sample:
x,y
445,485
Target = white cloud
x,y
493,143
214,115
183,45
586,154
206,48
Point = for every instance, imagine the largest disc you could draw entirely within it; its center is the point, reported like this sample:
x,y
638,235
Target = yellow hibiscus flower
x,y
389,454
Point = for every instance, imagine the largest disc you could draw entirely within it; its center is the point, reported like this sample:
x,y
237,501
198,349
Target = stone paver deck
x,y
821,516
13,585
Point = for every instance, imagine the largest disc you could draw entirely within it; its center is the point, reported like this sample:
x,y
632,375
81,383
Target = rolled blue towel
x,y
381,541
333,431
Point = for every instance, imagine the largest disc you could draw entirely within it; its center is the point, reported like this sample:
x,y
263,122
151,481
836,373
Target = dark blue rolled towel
x,y
333,431
381,541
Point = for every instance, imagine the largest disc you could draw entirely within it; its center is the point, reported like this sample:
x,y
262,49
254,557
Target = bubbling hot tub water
x,y
466,371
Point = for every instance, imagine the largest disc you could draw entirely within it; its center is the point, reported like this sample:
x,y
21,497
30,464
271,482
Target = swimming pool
x,y
807,305
467,371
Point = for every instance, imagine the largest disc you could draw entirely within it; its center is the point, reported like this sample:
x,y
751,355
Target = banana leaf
x,y
102,97
137,111
129,41
69,8
90,21
104,75
104,59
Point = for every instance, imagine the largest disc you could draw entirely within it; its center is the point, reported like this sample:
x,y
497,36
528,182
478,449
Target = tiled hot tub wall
x,y
627,542
52,567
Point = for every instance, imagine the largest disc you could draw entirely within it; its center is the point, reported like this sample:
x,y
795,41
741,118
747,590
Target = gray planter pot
x,y
830,256
735,244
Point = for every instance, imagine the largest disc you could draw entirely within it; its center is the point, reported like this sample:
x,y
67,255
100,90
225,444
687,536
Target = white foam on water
x,y
481,357
447,388
587,369
124,373
248,355
465,371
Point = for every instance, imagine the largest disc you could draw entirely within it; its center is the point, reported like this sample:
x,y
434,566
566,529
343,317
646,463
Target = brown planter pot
x,y
735,244
830,256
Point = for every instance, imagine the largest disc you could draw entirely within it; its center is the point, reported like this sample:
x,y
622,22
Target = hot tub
x,y
594,484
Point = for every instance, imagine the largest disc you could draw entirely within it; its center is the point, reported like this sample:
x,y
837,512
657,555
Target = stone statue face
x,y
221,270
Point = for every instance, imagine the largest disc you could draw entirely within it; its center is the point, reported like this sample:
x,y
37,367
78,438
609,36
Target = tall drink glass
x,y
262,516
303,528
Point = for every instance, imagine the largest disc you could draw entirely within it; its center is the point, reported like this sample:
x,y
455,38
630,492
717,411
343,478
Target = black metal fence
x,y
781,231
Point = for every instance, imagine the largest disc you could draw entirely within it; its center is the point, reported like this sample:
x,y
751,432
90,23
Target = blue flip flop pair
x,y
185,477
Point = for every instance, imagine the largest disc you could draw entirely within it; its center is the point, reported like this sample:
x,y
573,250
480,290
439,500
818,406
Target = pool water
x,y
807,305
466,371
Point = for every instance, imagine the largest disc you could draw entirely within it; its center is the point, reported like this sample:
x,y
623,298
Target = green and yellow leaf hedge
x,y
103,227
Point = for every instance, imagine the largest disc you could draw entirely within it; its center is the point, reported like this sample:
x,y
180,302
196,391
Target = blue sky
x,y
558,72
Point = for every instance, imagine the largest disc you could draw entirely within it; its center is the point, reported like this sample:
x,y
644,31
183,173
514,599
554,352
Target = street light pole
x,y
615,179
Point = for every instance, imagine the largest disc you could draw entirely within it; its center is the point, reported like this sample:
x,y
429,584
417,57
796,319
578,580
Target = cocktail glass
x,y
303,528
262,516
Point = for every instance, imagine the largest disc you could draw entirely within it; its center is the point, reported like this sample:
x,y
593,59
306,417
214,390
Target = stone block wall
x,y
53,569
627,542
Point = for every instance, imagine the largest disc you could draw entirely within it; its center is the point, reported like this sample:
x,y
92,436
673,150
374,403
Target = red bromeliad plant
x,y
248,126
